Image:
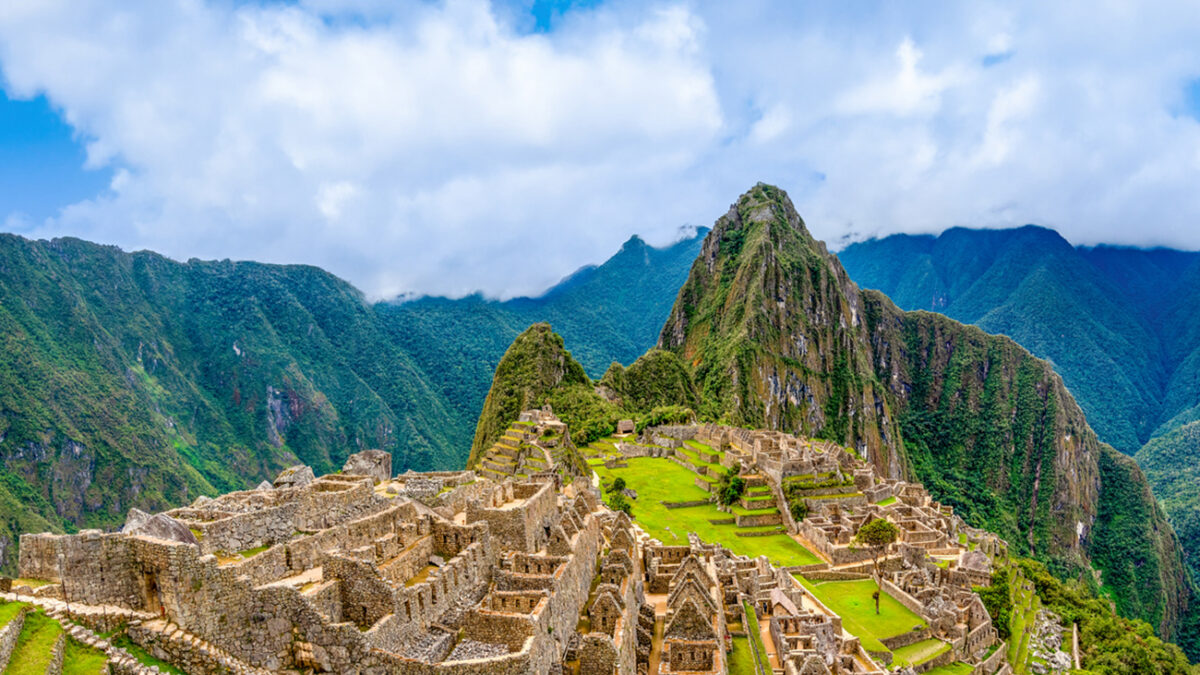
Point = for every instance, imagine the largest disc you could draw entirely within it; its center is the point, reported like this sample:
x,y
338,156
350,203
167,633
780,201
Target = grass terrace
x,y
919,652
79,659
956,668
9,611
852,601
32,654
741,659
657,480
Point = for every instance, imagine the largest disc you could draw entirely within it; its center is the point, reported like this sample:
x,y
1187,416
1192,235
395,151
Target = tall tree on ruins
x,y
876,536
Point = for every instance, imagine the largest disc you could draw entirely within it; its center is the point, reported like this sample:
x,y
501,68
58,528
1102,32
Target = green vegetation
x,y
144,657
535,365
34,645
656,480
919,652
754,633
997,598
1110,644
852,600
876,536
9,610
956,668
658,379
79,659
731,488
1119,325
741,659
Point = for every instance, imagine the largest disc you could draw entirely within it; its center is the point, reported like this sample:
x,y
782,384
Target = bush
x,y
618,485
732,487
799,510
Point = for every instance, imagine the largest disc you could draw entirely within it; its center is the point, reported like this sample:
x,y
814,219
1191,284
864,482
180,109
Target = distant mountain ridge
x,y
1118,323
129,379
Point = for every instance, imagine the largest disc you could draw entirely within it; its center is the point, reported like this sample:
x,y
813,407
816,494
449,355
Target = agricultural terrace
x,y
656,480
852,601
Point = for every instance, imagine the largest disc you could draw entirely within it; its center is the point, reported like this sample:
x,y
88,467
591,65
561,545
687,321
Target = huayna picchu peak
x,y
799,478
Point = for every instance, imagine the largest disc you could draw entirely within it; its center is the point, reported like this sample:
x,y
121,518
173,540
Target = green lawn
x,y
956,668
887,502
656,480
741,659
8,610
32,654
79,659
919,652
852,601
753,633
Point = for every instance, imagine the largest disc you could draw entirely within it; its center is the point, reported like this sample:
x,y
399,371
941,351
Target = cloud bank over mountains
x,y
449,147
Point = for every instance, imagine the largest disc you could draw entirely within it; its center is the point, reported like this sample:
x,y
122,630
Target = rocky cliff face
x,y
773,329
778,336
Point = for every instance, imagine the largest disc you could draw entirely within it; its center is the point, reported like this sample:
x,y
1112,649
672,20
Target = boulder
x,y
294,476
374,463
159,526
265,486
975,560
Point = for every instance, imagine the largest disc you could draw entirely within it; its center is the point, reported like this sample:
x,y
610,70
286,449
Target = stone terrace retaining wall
x,y
56,655
992,663
8,637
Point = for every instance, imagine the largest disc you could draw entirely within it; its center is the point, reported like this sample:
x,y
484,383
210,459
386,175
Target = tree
x,y
618,485
732,487
876,536
618,502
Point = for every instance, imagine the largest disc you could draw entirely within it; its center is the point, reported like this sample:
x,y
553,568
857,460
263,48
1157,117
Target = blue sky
x,y
41,163
423,147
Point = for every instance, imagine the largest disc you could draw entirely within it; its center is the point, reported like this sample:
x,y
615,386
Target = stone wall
x,y
98,568
56,655
8,637
520,526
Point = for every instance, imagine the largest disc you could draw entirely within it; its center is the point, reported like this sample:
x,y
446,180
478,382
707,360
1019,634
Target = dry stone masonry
x,y
515,568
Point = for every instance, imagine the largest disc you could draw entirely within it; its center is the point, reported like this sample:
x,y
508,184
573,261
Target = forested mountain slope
x,y
1119,324
128,379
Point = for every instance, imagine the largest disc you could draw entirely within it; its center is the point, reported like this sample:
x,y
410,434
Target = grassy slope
x,y
33,651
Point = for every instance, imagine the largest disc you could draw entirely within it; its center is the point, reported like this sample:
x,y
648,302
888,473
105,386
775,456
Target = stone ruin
x,y
489,572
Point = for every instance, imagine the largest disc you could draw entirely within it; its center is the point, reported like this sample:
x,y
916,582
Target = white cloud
x,y
415,147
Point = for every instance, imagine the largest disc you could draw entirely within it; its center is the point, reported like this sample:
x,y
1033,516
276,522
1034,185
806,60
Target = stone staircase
x,y
192,653
507,458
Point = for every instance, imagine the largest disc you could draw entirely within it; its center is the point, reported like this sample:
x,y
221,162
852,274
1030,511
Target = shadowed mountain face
x,y
128,379
1119,324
